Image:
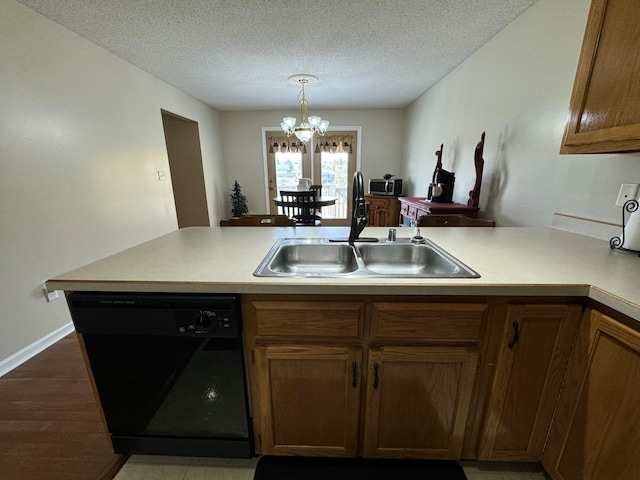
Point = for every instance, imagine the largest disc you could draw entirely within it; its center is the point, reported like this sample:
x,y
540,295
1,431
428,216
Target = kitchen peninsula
x,y
511,261
547,302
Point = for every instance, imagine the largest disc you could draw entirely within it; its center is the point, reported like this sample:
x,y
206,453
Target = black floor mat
x,y
314,468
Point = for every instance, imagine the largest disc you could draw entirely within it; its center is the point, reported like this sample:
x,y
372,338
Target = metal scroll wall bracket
x,y
629,206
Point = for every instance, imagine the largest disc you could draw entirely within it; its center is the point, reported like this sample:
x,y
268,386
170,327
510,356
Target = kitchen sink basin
x,y
320,257
392,258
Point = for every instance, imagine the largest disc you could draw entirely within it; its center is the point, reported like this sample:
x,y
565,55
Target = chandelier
x,y
308,125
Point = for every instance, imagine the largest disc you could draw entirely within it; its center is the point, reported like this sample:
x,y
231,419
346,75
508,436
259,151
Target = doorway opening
x,y
185,164
329,161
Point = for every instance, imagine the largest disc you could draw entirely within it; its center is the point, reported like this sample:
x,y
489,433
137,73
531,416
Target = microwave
x,y
380,186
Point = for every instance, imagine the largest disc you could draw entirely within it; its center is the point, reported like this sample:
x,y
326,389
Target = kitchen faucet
x,y
359,211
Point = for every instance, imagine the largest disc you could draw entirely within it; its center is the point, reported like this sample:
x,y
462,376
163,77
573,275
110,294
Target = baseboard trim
x,y
30,351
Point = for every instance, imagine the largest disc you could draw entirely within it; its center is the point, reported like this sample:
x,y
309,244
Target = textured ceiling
x,y
237,54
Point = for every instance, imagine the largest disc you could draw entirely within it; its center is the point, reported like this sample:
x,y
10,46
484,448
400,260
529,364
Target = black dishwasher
x,y
169,371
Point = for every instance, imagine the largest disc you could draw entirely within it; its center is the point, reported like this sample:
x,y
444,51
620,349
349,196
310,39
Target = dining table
x,y
308,206
321,201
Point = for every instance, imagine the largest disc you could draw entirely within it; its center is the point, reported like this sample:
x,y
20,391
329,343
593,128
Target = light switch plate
x,y
628,191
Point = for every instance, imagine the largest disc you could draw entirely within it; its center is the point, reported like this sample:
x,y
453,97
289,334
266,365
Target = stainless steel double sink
x,y
320,257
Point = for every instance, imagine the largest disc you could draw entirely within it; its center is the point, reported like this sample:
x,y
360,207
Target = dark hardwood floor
x,y
50,425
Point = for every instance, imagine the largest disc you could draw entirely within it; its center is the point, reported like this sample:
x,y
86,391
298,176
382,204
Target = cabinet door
x,y
417,401
310,399
383,211
535,350
596,430
379,216
378,208
605,103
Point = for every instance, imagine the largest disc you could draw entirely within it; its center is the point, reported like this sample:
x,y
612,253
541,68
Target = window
x,y
335,179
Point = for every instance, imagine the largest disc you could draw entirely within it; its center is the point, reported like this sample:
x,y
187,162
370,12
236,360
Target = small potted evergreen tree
x,y
238,201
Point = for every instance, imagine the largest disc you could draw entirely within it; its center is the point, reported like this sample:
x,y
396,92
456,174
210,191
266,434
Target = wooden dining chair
x,y
453,221
299,206
318,189
258,221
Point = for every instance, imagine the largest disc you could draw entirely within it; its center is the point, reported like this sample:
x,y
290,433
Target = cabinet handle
x,y
516,336
375,375
353,376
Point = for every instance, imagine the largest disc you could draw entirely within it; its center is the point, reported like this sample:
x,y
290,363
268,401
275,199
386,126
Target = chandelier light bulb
x,y
322,126
314,121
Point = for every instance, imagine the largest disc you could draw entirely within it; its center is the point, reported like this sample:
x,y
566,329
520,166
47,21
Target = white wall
x,y
382,136
517,88
81,140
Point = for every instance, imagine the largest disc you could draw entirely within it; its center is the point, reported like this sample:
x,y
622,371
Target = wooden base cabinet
x,y
311,395
384,210
412,208
301,356
595,434
532,359
310,399
402,377
417,401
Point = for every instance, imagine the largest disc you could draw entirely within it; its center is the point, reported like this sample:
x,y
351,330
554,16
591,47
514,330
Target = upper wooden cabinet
x,y
605,103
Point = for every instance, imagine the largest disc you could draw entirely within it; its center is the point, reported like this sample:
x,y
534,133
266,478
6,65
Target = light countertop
x,y
510,260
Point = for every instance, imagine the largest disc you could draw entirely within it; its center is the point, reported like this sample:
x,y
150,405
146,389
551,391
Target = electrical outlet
x,y
50,295
628,191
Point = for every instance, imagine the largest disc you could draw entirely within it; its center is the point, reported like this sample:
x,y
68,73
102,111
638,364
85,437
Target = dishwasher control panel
x,y
163,314
211,323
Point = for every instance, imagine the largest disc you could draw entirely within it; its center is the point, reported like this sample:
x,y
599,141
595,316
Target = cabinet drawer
x,y
381,202
404,209
427,321
412,211
422,211
309,319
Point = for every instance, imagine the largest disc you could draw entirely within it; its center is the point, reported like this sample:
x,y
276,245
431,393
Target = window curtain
x,y
335,144
286,144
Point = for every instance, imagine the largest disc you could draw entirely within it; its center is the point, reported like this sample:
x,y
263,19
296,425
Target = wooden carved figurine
x,y
434,190
474,194
438,164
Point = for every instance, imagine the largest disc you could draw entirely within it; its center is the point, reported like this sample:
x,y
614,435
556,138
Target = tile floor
x,y
147,467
